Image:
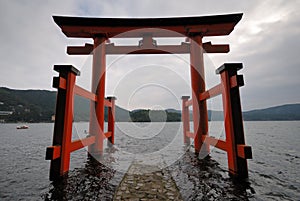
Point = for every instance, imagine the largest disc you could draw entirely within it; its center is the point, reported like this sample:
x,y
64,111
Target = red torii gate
x,y
194,29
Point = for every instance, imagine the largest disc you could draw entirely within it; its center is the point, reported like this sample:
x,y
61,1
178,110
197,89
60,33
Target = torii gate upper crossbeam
x,y
81,27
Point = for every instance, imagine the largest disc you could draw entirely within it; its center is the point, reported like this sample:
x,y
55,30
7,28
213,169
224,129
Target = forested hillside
x,y
39,106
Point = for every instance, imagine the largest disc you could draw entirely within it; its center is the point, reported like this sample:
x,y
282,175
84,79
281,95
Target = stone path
x,y
143,182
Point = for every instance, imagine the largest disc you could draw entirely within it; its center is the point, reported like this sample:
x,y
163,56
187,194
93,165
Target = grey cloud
x,y
265,41
29,46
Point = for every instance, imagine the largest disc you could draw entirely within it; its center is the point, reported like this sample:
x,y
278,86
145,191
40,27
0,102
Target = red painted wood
x,y
63,120
116,27
244,151
228,123
84,93
111,121
185,116
107,103
214,91
236,81
200,116
59,83
107,134
221,144
68,120
184,48
193,27
228,73
52,152
190,134
189,103
78,144
98,87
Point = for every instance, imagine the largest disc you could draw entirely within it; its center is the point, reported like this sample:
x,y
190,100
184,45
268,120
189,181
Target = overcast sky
x,y
266,41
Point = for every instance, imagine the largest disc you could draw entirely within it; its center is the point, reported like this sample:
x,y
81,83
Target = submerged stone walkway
x,y
143,182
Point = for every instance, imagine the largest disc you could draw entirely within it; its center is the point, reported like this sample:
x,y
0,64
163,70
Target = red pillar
x,y
111,121
185,116
233,119
198,86
62,135
98,87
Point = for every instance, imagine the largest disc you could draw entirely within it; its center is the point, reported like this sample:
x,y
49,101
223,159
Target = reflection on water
x,y
93,182
196,179
203,179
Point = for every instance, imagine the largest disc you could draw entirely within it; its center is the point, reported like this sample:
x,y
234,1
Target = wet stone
x,y
144,182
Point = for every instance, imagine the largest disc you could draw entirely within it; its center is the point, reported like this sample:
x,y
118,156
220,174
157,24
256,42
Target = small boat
x,y
23,127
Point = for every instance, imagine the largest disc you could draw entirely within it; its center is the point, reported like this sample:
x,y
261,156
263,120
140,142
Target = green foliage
x,y
39,106
154,116
27,105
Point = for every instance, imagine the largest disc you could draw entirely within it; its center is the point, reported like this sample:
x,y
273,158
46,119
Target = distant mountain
x,y
277,113
39,106
82,111
289,112
26,105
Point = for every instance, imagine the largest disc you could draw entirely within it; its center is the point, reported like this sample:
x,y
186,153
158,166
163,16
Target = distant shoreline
x,y
18,123
24,106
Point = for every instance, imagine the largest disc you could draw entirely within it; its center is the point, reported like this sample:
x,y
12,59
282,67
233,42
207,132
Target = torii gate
x,y
194,29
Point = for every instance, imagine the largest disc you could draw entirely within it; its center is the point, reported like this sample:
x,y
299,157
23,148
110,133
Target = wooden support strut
x,y
234,144
59,152
54,152
111,121
185,116
98,87
237,152
63,122
200,116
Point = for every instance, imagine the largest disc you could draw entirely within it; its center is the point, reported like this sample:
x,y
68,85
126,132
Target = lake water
x,y
273,171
